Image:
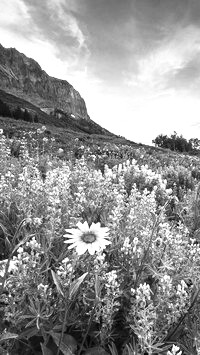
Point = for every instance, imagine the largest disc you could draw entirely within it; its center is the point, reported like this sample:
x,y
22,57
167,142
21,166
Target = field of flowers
x,y
99,248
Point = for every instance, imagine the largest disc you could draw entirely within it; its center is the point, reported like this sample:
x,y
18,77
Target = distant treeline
x,y
177,143
17,114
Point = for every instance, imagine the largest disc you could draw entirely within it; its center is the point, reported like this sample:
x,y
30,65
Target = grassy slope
x,y
67,122
64,129
65,136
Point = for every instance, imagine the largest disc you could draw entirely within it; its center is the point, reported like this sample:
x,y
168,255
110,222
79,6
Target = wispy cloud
x,y
59,27
47,21
173,65
15,20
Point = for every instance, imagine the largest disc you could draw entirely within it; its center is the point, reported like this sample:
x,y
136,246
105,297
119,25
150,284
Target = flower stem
x,y
88,328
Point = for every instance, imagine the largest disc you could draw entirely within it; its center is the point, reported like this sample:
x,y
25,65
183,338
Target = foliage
x,y
178,143
140,294
4,110
18,113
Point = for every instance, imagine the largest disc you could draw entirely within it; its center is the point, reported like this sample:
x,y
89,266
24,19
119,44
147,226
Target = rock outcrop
x,y
23,77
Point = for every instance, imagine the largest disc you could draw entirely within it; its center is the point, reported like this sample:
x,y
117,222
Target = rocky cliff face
x,y
23,77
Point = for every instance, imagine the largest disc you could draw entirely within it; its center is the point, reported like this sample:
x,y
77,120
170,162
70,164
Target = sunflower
x,y
85,238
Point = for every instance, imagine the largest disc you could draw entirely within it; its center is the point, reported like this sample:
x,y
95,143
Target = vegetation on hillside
x,y
99,247
17,114
20,109
177,143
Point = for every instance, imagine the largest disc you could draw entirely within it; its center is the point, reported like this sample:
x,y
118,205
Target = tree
x,y
26,116
35,119
195,143
174,142
162,141
18,114
5,109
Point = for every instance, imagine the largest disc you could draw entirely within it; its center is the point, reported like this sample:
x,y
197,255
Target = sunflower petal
x,y
91,248
81,248
83,226
72,246
73,231
70,241
107,242
95,227
105,229
73,237
102,234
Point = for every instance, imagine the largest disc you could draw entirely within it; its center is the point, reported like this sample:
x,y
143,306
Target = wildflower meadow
x,y
99,249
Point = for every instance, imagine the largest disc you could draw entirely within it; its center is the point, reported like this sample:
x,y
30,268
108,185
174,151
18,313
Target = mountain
x,y
23,77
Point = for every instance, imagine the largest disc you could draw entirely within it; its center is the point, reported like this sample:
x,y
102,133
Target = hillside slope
x,y
58,119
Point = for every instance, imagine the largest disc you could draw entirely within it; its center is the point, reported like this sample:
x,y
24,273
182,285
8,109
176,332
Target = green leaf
x,y
97,287
6,336
113,349
76,284
45,350
68,344
3,351
57,282
96,351
30,332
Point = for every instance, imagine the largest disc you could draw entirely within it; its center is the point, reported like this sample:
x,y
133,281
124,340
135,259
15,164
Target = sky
x,y
136,63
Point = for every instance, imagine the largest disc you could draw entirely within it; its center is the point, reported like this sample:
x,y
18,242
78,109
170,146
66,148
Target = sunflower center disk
x,y
89,237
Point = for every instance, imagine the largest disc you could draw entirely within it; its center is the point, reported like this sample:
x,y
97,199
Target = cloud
x,y
59,27
46,21
174,65
15,9
113,39
123,35
15,19
187,77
